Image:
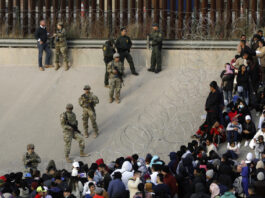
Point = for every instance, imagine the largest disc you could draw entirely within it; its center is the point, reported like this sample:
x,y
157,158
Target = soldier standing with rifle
x,y
88,102
108,51
115,70
123,45
156,58
70,131
30,158
61,46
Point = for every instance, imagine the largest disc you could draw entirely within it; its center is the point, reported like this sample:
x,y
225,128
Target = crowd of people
x,y
197,170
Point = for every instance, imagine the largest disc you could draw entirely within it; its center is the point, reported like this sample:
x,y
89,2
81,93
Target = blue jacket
x,y
116,189
245,176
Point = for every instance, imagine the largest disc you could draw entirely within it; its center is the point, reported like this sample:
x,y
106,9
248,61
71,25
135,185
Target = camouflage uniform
x,y
32,160
115,80
69,132
156,59
108,51
88,103
61,47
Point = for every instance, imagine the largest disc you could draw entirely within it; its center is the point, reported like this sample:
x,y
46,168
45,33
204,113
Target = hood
x,y
173,156
100,161
199,188
260,164
214,189
244,172
141,162
126,166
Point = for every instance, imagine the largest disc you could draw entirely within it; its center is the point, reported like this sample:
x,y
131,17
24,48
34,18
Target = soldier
x,y
108,50
156,59
30,158
115,70
70,131
88,102
123,45
61,46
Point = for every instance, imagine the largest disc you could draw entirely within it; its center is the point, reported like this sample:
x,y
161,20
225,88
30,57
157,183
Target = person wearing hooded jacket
x,y
126,171
142,167
200,191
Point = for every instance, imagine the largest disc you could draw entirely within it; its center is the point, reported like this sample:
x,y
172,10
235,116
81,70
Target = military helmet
x,y
69,106
116,55
60,24
87,87
30,146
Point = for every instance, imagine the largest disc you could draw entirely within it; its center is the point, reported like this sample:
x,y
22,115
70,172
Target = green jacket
x,y
71,118
111,68
88,101
156,38
60,39
228,195
31,161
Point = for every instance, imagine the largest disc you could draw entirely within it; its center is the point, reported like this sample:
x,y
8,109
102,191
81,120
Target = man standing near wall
x,y
123,45
41,35
156,58
108,52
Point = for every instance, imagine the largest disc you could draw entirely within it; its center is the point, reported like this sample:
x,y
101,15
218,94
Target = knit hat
x,y
249,158
260,164
260,176
209,174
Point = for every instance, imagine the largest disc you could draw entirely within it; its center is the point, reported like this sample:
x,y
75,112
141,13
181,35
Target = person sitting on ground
x,y
248,130
234,129
232,150
87,186
260,102
243,111
106,176
210,147
99,193
217,133
259,147
68,193
253,142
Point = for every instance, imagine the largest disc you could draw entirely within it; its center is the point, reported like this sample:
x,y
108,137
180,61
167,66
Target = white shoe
x,y
238,144
246,143
227,143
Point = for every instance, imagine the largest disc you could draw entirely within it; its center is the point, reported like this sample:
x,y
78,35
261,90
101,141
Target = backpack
x,y
238,185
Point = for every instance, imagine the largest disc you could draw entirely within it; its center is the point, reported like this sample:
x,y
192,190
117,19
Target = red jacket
x,y
98,196
170,180
38,196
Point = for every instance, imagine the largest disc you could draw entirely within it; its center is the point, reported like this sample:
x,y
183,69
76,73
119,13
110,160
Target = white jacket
x,y
126,171
86,189
252,143
133,186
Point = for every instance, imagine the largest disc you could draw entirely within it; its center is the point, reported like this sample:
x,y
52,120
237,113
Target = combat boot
x,y
118,100
67,67
111,100
95,135
82,154
57,66
86,134
68,160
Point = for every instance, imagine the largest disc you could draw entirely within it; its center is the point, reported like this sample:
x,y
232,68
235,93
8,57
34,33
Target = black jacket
x,y
227,81
123,44
250,127
42,34
243,80
212,102
247,50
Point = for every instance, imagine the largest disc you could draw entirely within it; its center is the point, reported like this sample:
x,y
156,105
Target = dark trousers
x,y
156,58
126,55
230,134
44,47
106,79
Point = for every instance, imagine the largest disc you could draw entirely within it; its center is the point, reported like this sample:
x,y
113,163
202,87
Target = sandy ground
x,y
157,114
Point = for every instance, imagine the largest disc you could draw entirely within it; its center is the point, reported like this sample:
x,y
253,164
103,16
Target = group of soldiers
x,y
115,54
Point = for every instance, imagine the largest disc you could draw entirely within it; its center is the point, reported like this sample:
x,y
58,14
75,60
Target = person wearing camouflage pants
x,y
70,131
61,47
88,102
30,158
115,69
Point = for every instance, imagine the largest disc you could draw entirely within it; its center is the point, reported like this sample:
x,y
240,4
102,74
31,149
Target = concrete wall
x,y
94,57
